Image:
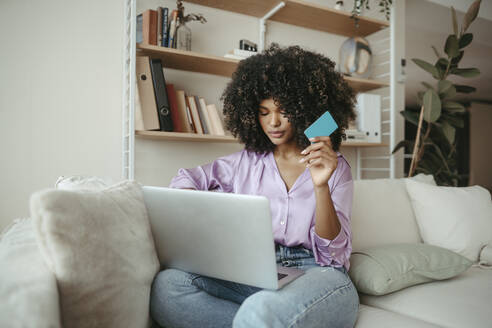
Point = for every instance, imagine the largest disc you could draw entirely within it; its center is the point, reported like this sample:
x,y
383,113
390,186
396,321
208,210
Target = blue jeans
x,y
322,297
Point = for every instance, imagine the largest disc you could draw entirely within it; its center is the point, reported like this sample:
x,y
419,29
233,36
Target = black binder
x,y
161,99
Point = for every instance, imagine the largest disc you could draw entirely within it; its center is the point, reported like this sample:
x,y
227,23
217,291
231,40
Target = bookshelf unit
x,y
294,12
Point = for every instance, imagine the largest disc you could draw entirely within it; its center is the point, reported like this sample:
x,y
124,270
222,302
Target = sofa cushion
x,y
28,293
456,218
463,301
385,269
371,317
382,214
100,247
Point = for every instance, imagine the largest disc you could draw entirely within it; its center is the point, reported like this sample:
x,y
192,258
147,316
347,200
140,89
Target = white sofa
x,y
382,215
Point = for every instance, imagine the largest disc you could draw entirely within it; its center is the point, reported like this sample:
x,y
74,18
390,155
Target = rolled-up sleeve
x,y
217,176
336,252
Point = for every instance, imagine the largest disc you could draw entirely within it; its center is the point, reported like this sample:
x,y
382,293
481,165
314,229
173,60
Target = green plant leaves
x,y
464,88
454,107
432,106
427,67
412,117
465,40
449,131
427,85
453,120
466,72
452,46
408,144
455,21
470,15
443,86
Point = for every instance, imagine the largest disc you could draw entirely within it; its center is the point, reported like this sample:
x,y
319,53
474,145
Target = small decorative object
x,y
355,57
247,45
183,32
359,4
339,5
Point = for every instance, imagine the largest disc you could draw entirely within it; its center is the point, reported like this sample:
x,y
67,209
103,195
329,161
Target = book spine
x,y
139,34
208,121
159,26
201,113
161,98
146,101
183,112
171,94
172,29
149,27
194,114
165,27
214,114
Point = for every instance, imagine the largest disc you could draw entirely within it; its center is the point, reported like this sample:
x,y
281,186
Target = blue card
x,y
323,126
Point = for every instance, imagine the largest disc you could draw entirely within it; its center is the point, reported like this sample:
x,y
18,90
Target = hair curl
x,y
303,83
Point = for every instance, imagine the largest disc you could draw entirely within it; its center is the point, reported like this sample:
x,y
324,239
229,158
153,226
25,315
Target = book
x,y
201,113
184,117
165,27
159,26
146,106
217,122
208,121
194,114
147,27
172,29
171,94
161,99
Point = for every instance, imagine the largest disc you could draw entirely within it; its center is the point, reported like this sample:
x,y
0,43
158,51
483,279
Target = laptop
x,y
220,235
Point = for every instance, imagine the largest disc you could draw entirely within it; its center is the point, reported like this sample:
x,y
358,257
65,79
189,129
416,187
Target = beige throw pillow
x,y
100,247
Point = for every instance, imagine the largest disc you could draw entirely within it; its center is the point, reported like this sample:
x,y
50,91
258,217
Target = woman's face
x,y
274,122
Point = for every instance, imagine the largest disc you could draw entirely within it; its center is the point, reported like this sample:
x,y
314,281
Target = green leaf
x,y
427,67
438,152
466,72
464,88
454,21
408,144
452,46
438,55
453,107
449,132
453,120
465,40
456,60
427,85
411,116
432,106
450,93
470,15
443,86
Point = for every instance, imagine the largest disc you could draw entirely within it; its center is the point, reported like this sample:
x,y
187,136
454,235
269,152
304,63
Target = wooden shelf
x,y
189,60
196,62
179,136
301,13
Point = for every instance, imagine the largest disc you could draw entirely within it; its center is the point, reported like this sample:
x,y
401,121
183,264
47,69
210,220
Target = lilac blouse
x,y
293,212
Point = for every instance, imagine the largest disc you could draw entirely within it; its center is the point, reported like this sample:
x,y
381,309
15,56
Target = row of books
x,y
160,107
157,27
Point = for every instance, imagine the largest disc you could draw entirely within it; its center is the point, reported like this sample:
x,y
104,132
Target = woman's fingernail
x,y
303,152
302,160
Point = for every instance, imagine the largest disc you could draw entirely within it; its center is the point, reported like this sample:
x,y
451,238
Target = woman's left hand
x,y
321,160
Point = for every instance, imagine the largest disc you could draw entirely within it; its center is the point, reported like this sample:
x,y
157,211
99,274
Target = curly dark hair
x,y
303,83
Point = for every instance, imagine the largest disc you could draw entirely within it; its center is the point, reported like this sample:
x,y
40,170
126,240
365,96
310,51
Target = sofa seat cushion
x,y
371,317
463,301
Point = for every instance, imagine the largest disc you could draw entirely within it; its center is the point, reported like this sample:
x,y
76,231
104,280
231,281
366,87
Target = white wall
x,y
60,95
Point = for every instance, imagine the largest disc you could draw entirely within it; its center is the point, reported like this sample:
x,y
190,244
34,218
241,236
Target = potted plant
x,y
434,147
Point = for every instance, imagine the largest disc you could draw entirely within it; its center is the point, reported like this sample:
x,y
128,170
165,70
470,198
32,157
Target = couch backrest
x,y
382,214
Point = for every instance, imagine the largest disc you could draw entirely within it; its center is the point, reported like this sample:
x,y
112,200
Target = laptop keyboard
x,y
280,275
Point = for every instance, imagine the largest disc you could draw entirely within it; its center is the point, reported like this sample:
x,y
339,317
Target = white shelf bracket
x,y
263,20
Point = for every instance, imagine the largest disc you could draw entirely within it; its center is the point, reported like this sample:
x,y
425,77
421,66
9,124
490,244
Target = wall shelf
x,y
196,62
180,136
301,13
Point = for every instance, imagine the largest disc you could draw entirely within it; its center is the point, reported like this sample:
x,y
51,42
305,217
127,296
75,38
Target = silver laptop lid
x,y
220,235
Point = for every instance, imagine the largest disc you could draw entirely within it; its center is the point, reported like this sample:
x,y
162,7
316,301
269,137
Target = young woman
x,y
272,98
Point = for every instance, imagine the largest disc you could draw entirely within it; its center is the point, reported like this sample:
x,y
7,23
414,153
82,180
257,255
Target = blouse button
x,y
282,222
332,253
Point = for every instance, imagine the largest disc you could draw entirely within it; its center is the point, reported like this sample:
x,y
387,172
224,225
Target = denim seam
x,y
308,308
